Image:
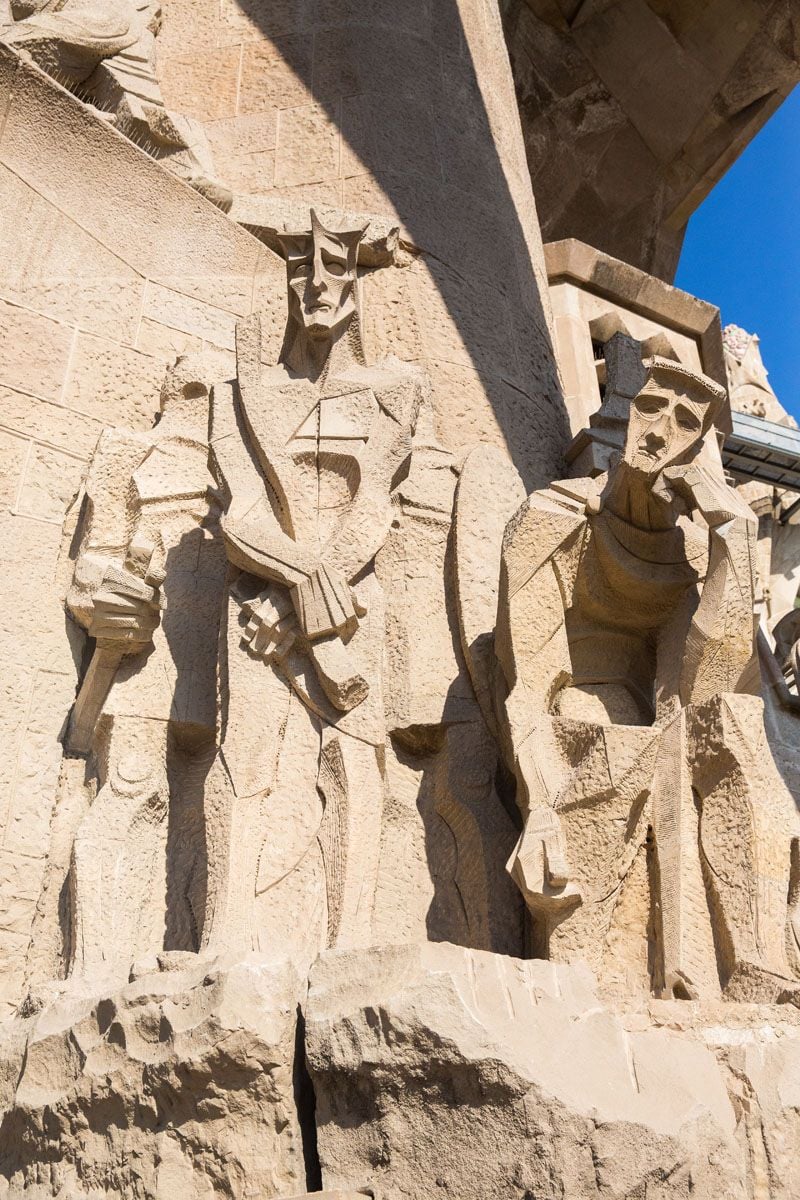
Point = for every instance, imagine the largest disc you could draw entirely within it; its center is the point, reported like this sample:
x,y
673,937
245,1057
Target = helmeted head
x,y
322,277
669,417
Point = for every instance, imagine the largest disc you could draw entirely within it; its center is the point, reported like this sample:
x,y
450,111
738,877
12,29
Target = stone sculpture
x,y
106,51
307,455
750,389
147,586
626,638
268,849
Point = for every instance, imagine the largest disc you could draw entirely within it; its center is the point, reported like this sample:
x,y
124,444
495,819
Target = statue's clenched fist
x,y
126,608
272,623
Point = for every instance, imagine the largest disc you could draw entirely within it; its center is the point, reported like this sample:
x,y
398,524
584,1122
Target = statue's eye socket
x,y
649,406
687,421
334,267
301,271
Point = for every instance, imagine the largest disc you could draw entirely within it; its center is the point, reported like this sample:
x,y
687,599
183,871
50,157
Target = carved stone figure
x,y
626,638
307,454
147,586
750,389
106,51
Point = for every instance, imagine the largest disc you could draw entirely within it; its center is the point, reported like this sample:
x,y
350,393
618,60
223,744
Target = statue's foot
x,y
790,994
76,988
162,961
678,986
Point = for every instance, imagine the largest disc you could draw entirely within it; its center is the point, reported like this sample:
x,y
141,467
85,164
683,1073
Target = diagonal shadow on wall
x,y
421,93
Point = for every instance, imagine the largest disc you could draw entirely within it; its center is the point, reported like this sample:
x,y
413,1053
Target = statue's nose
x,y
657,433
317,279
655,438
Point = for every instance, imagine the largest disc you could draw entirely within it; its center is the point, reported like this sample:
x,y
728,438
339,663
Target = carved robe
x,y
294,803
157,723
614,729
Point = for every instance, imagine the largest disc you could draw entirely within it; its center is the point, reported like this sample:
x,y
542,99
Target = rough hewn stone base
x,y
440,1071
180,1085
437,1071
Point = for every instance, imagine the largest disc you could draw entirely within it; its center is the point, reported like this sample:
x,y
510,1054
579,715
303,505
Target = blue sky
x,y
742,248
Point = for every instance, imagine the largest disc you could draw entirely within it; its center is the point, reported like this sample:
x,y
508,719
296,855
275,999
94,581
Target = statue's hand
x,y
325,604
539,863
703,486
272,626
124,609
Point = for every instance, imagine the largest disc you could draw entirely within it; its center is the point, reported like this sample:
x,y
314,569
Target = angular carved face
x,y
322,283
665,424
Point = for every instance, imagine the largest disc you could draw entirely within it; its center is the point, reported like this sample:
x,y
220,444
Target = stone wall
x,y
114,266
407,111
109,268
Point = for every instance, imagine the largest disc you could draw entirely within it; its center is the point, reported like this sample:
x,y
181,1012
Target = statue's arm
x,y
257,540
106,520
255,543
720,646
533,651
277,465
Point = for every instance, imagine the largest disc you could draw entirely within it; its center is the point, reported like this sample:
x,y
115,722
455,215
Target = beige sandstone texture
x,y
105,53
185,1082
442,1071
110,268
400,774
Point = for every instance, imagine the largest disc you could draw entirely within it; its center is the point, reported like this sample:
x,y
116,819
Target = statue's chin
x,y
318,330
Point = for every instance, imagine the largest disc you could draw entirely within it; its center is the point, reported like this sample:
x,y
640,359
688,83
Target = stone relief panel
x,y
297,735
275,715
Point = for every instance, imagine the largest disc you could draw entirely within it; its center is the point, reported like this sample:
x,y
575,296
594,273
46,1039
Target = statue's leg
x,y
289,897
227,923
118,868
604,812
687,944
352,782
745,842
266,887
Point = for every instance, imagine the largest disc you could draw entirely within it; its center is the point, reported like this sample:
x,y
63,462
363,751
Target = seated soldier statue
x,y
657,833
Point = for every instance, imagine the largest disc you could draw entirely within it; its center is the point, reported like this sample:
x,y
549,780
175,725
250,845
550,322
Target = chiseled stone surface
x,y
443,1071
314,664
183,1082
632,110
107,55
